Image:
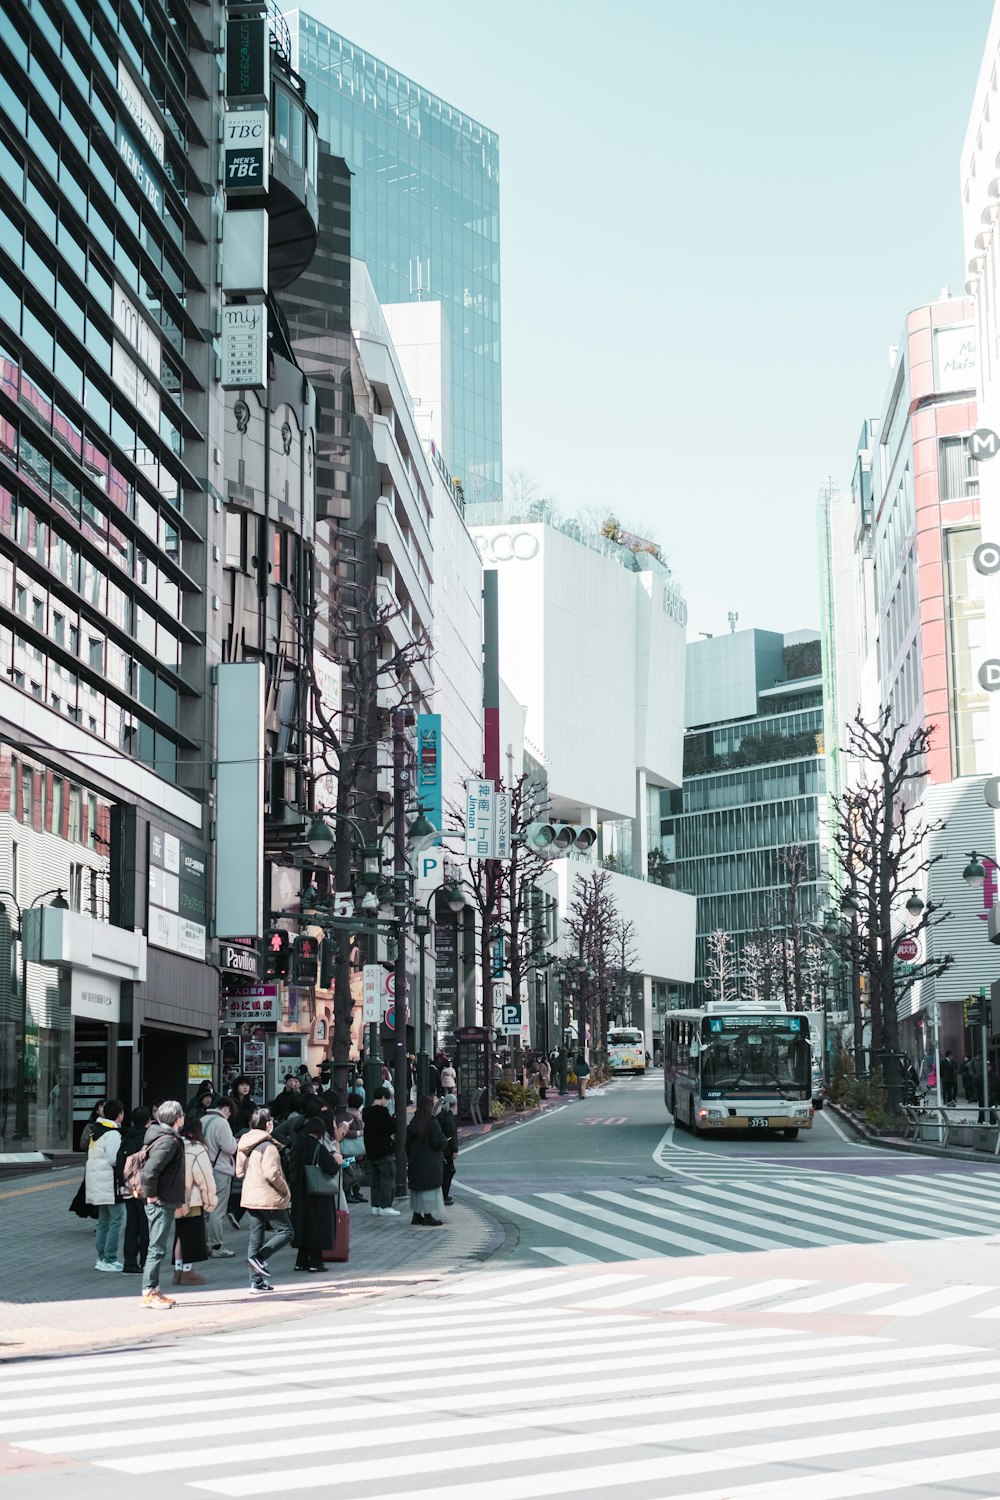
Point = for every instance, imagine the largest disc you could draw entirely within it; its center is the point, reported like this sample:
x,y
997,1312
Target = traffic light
x,y
276,953
326,955
305,959
550,840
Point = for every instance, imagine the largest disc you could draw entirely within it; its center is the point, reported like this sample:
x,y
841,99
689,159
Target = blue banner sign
x,y
429,767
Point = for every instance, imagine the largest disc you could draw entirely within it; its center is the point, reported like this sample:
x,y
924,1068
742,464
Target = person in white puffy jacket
x,y
103,1184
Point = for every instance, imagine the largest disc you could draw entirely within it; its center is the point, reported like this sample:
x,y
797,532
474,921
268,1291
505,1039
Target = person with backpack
x,y
581,1068
161,1173
265,1197
136,1223
104,1184
220,1143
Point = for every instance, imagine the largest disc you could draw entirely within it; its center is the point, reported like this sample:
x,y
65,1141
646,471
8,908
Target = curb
x,y
912,1148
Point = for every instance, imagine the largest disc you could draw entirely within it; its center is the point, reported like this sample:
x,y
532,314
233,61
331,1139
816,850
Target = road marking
x,y
841,1294
577,1445
676,1215
565,1257
806,1235
652,1289
41,1187
755,1292
543,1114
678,1431
945,1296
878,1203
726,1399
625,1221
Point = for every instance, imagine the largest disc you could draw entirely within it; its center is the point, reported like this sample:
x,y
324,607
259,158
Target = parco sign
x,y
507,546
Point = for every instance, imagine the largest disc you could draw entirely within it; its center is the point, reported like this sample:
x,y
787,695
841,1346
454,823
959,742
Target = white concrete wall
x,y
587,647
664,920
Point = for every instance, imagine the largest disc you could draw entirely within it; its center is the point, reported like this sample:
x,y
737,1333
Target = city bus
x,y
738,1066
626,1050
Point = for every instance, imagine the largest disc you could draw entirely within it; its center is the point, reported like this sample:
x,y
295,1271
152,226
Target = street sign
x,y
502,821
989,675
907,950
986,559
372,984
510,1020
982,444
974,1011
430,874
480,809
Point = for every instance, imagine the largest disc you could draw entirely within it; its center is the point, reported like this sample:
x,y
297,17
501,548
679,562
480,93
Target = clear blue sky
x,y
714,217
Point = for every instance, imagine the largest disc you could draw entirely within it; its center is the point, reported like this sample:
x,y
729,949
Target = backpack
x,y
132,1172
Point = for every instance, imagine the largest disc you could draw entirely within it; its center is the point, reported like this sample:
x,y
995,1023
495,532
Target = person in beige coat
x,y
191,1245
265,1197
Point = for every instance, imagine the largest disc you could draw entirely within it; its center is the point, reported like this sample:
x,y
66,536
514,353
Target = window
x,y
958,474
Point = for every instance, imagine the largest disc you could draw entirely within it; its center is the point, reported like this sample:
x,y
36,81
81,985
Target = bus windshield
x,y
621,1037
752,1052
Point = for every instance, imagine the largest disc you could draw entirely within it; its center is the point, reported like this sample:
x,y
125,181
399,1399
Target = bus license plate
x,y
759,1122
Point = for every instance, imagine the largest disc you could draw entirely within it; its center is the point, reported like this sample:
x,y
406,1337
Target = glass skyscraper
x,y
425,218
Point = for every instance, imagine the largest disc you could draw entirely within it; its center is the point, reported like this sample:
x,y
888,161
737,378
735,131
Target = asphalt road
x,y
670,1319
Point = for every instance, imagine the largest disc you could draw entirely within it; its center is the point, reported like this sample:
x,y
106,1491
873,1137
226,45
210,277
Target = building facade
x,y
592,651
903,627
425,220
746,826
110,410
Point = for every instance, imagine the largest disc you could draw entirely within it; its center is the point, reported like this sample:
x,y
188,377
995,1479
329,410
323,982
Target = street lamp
x,y
914,907
454,896
849,906
974,873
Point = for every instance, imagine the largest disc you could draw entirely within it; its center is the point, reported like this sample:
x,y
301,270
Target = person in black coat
x,y
312,1213
136,1223
449,1125
425,1144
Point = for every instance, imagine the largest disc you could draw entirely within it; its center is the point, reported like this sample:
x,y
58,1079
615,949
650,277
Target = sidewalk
x,y
55,1302
861,1129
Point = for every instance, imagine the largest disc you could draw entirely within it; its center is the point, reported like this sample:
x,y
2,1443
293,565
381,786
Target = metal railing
x,y
953,1127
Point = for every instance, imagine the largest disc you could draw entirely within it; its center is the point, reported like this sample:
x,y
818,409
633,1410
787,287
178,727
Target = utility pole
x,y
400,788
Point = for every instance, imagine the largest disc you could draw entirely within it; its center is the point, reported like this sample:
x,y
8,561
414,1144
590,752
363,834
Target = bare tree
x,y
720,967
624,963
881,842
346,746
592,922
502,895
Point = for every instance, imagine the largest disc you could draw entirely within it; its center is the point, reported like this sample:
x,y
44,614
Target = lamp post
x,y
21,1124
974,876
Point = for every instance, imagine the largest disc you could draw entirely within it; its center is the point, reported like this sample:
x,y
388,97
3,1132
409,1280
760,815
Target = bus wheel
x,y
793,1134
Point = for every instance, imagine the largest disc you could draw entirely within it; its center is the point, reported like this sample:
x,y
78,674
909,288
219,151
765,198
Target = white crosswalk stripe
x,y
689,1408
639,1221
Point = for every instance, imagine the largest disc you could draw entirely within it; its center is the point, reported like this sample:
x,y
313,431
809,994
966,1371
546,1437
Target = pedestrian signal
x,y
276,953
305,956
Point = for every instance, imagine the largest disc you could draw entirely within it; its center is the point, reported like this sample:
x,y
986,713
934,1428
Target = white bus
x,y
626,1050
738,1066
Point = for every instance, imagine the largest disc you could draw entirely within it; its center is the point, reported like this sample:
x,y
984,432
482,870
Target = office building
x,y
109,414
752,789
903,628
425,220
592,651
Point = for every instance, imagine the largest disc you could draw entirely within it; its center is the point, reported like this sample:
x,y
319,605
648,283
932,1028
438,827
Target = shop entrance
x,y
90,1072
163,1066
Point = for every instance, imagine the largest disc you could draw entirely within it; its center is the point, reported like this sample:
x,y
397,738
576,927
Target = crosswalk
x,y
465,1400
781,1210
660,1292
